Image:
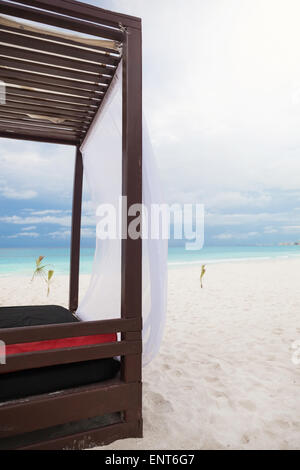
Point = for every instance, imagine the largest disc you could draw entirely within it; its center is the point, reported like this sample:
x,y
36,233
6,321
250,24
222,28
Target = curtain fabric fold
x,y
102,160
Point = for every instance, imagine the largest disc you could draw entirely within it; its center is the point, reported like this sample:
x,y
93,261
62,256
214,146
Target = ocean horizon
x,y
21,261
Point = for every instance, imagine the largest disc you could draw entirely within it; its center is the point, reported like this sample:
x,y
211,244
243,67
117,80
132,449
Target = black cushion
x,y
13,317
55,378
31,382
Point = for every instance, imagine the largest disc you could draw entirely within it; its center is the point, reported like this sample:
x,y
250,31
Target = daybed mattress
x,y
55,378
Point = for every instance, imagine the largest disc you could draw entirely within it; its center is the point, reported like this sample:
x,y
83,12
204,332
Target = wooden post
x,y
131,283
75,234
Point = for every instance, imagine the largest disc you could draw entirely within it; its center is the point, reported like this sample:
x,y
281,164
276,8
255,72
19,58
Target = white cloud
x,y
30,169
239,219
19,220
238,236
270,230
24,234
235,199
12,193
291,228
65,234
223,109
30,228
49,212
63,220
222,103
224,236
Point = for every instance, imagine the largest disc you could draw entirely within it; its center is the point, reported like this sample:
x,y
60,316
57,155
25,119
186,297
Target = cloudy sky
x,y
222,100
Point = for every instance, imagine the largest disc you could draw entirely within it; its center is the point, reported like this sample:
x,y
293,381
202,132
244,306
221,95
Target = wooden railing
x,y
131,345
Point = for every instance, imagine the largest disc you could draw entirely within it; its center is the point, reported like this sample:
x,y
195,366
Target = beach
x,y
224,378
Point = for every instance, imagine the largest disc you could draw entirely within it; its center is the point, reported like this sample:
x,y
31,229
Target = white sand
x,y
224,378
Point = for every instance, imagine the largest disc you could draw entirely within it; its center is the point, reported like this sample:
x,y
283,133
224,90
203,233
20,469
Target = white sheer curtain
x,y
102,160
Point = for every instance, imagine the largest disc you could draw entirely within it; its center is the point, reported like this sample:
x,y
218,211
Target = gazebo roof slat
x,y
53,78
55,104
42,45
49,69
26,118
47,111
36,94
79,86
40,115
111,47
54,60
48,86
37,122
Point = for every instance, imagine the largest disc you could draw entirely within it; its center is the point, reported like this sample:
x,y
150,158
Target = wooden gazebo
x,y
55,85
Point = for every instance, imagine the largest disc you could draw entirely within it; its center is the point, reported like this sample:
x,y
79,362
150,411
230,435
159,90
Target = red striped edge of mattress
x,y
59,343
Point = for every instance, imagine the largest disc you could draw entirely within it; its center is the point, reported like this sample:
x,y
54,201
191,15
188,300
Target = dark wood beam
x,y
58,21
86,440
37,359
6,126
132,171
48,139
85,11
75,232
28,334
37,413
131,262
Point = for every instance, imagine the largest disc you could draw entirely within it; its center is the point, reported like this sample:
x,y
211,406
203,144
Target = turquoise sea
x,y
21,261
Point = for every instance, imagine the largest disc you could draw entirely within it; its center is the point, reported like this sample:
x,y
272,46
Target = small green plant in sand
x,y
50,275
203,271
42,271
